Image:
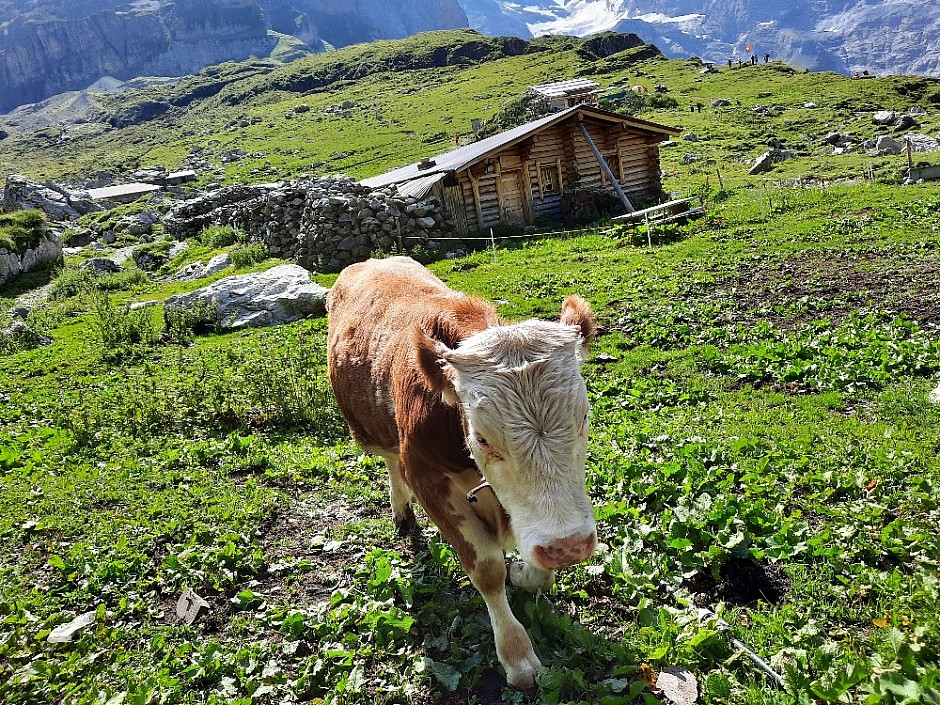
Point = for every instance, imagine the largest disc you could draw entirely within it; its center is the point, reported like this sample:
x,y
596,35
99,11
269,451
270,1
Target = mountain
x,y
887,37
48,47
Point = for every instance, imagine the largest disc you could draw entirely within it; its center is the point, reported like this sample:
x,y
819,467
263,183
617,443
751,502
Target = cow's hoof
x,y
406,522
530,578
522,675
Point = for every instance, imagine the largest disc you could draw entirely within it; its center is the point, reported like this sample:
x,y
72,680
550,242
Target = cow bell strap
x,y
472,494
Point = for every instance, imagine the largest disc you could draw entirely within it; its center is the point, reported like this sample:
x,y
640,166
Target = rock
x,y
177,248
690,137
279,295
888,145
810,105
100,265
721,103
884,117
916,110
905,122
19,312
108,237
690,157
923,143
137,305
766,161
71,250
832,138
216,264
934,397
47,251
56,202
23,336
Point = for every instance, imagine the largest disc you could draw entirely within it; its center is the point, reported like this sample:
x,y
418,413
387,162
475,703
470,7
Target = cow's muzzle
x,y
565,552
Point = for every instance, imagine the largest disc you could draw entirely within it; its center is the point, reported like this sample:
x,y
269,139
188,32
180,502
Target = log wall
x,y
633,157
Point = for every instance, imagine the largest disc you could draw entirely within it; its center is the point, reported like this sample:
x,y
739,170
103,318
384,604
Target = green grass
x,y
761,397
21,230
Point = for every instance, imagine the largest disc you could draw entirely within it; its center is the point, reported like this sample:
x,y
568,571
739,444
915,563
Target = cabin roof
x,y
139,189
465,157
560,89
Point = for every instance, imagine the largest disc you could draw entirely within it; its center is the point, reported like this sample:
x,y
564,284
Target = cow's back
x,y
374,309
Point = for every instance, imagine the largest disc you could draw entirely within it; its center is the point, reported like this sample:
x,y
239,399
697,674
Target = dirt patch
x,y
304,532
740,582
804,288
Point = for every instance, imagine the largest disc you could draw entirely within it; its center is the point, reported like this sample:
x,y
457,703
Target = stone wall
x,y
323,224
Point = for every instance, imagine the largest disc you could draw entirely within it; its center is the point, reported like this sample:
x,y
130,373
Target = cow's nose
x,y
562,553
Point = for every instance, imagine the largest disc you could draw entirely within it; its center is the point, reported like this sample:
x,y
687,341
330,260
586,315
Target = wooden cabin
x,y
521,174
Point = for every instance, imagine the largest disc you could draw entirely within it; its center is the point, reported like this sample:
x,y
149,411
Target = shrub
x,y
121,329
181,323
247,255
219,236
71,282
662,102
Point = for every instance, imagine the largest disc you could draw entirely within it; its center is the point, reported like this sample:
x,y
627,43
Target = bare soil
x,y
838,284
741,582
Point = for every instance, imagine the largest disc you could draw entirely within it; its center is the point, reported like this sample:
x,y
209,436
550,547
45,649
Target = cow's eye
x,y
486,447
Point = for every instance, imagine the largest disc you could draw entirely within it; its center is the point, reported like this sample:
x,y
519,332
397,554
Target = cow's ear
x,y
575,311
438,373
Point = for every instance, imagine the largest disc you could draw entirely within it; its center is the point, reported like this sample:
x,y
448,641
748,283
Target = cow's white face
x,y
526,411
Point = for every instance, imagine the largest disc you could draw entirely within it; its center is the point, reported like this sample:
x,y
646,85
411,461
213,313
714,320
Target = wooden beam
x,y
476,201
606,168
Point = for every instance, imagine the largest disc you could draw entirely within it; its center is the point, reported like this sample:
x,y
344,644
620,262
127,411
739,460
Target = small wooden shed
x,y
521,174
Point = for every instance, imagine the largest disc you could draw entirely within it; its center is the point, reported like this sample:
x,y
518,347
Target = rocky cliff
x,y
49,47
881,36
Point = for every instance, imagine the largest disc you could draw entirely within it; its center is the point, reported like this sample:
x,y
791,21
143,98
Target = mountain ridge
x,y
49,48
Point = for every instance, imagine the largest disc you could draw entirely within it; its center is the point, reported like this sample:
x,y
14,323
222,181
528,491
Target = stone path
x,y
39,294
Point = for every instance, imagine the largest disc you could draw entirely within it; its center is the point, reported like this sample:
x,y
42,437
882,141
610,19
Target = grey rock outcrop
x,y
766,161
100,265
884,117
886,144
279,295
47,252
198,270
56,202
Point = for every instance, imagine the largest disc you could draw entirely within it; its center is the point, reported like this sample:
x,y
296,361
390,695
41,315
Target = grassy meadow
x,y
761,441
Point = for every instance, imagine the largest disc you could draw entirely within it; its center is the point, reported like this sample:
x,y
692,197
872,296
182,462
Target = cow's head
x,y
526,414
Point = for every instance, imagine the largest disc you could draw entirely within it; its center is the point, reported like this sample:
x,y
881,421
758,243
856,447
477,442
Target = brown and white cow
x,y
423,374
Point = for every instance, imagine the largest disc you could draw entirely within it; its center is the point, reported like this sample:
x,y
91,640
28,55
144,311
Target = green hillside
x,y
409,99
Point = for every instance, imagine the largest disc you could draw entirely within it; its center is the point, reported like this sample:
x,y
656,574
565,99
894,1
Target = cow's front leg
x,y
481,555
513,646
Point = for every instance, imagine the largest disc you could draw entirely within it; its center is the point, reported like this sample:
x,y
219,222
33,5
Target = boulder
x,y
884,117
177,248
690,157
279,295
100,265
47,251
934,396
886,144
55,201
690,137
832,138
721,103
198,270
905,122
766,161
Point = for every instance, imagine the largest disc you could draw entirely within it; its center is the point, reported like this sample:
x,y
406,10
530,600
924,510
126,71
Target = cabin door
x,y
511,198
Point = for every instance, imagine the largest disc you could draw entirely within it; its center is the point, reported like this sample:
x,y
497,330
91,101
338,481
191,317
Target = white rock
x,y
280,295
934,397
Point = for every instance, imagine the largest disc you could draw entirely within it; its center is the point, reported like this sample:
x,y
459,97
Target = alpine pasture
x,y
761,443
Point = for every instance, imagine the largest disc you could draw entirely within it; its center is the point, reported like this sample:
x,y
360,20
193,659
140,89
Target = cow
x,y
484,423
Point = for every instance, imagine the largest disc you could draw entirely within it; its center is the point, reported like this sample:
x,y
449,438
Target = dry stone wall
x,y
323,224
